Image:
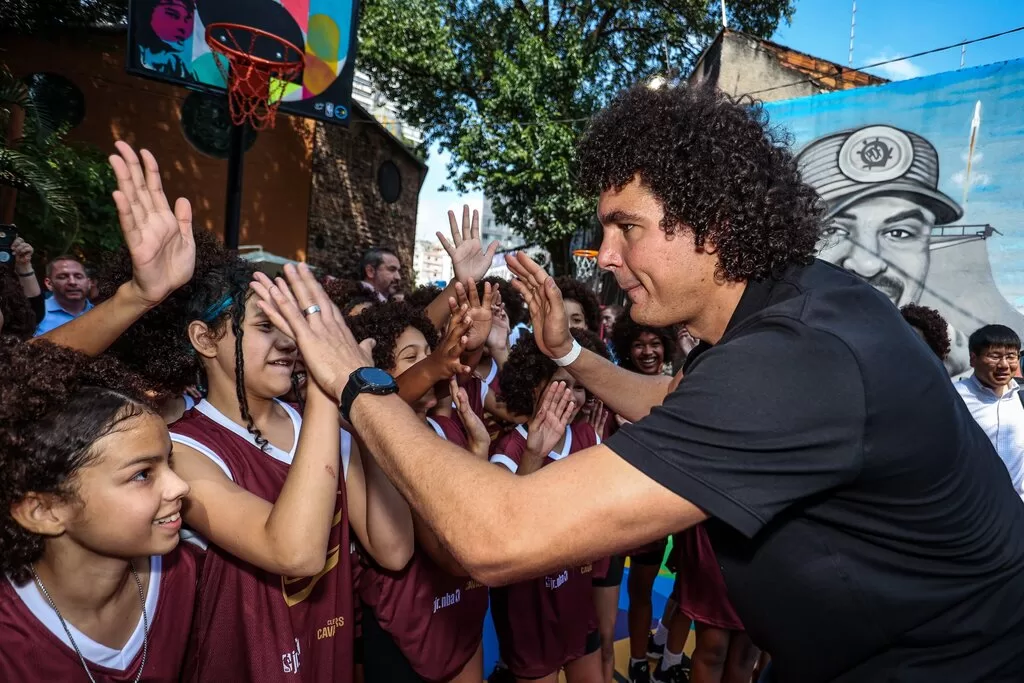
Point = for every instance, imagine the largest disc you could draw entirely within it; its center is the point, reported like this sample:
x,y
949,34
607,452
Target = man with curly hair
x,y
930,326
864,526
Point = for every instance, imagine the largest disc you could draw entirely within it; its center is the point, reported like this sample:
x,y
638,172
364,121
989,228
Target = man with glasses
x,y
994,397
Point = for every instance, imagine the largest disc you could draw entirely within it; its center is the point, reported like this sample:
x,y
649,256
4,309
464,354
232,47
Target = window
x,y
57,97
206,123
389,182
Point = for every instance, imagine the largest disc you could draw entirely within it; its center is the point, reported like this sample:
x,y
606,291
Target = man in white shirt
x,y
994,396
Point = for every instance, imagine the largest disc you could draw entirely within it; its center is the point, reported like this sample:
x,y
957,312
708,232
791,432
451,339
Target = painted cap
x,y
852,165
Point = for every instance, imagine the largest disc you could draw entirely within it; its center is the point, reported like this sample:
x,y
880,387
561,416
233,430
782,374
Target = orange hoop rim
x,y
236,53
585,253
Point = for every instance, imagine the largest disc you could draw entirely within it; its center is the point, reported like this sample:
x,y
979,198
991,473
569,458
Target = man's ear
x,y
44,514
202,339
48,283
368,272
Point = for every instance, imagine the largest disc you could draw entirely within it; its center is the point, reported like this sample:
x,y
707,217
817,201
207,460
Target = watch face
x,y
375,377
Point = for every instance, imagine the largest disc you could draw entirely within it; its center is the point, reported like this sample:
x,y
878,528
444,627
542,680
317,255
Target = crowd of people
x,y
193,489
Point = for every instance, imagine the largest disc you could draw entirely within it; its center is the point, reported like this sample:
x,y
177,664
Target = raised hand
x,y
160,241
467,296
547,426
447,357
328,348
479,441
469,259
498,338
22,252
547,310
598,417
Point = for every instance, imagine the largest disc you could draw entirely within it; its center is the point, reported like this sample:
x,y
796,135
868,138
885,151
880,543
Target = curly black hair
x,y
527,369
157,346
59,405
515,305
574,290
344,292
626,330
422,296
386,322
717,166
16,315
932,325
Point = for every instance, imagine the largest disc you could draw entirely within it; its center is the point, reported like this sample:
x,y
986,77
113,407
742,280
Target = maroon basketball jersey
x,y
253,625
542,624
34,646
435,619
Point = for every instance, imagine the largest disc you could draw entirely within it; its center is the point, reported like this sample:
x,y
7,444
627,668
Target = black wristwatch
x,y
366,381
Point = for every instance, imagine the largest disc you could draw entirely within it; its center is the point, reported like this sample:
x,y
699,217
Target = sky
x,y
885,29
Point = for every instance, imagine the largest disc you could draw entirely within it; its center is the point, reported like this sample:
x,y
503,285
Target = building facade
x,y
311,191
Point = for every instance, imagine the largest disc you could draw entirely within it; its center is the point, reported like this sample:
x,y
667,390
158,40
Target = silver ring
x,y
311,310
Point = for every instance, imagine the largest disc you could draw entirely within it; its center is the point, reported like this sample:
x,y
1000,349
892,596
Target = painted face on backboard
x,y
172,21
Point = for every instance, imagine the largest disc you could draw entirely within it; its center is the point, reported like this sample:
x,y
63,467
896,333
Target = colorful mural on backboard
x,y
922,179
167,41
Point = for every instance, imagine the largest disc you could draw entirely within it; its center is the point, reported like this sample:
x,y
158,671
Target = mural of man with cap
x,y
880,186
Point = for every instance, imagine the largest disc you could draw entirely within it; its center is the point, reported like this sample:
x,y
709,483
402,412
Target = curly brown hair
x,y
16,315
717,166
625,332
515,305
574,290
385,323
61,403
344,293
157,346
528,369
932,325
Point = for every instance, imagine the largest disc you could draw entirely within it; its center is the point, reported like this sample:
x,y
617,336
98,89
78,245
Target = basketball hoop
x,y
584,262
256,84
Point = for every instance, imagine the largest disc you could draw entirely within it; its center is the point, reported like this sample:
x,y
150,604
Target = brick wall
x,y
347,213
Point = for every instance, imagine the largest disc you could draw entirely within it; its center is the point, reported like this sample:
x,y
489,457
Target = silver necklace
x,y
145,622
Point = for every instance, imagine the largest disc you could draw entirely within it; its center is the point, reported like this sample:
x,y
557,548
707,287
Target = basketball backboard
x,y
167,41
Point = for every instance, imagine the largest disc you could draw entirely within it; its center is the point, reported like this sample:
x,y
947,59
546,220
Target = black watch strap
x,y
365,381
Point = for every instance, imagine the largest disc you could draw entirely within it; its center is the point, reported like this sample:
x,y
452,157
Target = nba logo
x,y
329,109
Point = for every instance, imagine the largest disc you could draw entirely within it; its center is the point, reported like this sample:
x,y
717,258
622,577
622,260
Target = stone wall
x,y
347,212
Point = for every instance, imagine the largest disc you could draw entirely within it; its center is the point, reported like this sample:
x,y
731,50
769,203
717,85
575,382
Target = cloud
x,y
896,71
978,178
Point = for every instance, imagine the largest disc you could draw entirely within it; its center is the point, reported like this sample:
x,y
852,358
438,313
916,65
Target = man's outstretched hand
x,y
329,350
547,310
159,240
469,259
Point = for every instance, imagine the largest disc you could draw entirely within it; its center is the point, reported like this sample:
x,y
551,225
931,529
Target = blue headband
x,y
215,311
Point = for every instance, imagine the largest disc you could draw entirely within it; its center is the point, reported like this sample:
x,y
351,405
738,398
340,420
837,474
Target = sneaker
x,y
654,651
673,674
640,672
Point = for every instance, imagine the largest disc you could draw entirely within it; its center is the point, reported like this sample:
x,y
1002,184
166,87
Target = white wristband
x,y
569,358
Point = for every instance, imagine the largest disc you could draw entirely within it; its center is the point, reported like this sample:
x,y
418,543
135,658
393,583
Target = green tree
x,y
34,16
507,86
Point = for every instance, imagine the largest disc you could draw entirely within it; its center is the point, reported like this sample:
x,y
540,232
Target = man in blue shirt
x,y
66,279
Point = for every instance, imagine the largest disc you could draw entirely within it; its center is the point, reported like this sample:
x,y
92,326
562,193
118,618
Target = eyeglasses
x,y
1008,357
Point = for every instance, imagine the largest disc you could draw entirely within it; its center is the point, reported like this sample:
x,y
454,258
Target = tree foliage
x,y
36,16
506,86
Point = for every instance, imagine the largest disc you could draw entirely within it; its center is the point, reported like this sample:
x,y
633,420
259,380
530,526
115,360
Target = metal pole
x,y
853,28
233,202
725,20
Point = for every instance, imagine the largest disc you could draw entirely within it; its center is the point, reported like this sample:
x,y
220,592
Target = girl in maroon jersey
x,y
95,585
549,623
424,623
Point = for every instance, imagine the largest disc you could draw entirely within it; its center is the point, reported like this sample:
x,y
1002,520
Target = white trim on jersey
x,y
205,450
437,428
207,409
491,374
566,446
97,653
502,459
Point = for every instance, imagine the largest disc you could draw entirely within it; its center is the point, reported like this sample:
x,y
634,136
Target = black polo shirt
x,y
865,527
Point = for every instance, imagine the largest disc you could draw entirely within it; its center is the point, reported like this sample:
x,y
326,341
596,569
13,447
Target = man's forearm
x,y
627,393
460,496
